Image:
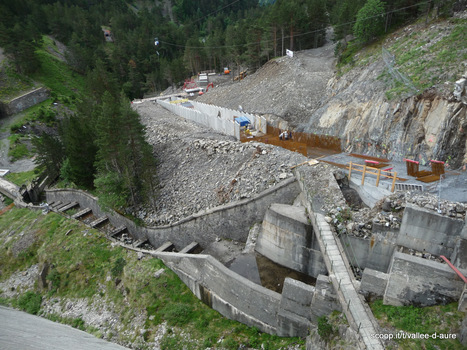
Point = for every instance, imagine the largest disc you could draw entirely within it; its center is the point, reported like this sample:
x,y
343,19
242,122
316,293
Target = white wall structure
x,y
217,118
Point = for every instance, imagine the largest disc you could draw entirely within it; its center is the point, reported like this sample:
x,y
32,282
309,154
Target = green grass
x,y
86,266
428,320
56,75
427,57
22,178
13,84
18,150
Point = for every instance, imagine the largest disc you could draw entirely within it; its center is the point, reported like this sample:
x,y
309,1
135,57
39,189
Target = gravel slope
x,y
199,169
290,88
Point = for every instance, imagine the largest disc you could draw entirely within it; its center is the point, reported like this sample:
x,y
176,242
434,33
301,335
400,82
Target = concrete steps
x,y
68,206
81,213
99,221
139,243
166,247
118,231
54,205
190,248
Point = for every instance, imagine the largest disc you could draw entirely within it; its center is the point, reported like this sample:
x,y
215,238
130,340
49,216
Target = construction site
x,y
293,192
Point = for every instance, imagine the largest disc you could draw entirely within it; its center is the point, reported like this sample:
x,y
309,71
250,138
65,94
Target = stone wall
x,y
23,102
239,299
287,238
422,229
231,221
421,282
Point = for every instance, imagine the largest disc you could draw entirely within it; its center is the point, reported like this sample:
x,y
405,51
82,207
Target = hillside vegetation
x,y
104,289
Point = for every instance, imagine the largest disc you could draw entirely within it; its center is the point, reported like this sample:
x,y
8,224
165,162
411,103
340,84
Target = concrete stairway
x,y
355,309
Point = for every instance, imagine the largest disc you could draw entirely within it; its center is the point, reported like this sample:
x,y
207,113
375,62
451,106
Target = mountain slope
x,y
364,105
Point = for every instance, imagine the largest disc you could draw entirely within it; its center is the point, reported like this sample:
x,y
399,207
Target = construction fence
x,y
202,117
257,122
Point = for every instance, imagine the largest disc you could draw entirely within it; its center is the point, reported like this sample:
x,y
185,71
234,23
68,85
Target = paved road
x,y
22,331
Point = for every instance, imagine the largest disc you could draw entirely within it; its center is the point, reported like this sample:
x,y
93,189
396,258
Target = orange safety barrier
x,y
412,167
371,171
437,167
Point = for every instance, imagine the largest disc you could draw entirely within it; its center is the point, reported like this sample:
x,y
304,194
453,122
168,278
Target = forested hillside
x,y
125,49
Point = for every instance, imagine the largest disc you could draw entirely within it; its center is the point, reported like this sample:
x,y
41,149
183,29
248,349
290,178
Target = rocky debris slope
x,y
389,212
199,169
363,105
286,87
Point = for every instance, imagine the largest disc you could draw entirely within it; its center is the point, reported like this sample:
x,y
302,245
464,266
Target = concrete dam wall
x,y
231,220
287,238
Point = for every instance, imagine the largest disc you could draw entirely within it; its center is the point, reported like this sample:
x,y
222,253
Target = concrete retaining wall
x,y
23,102
373,283
239,299
231,221
421,282
227,127
423,229
287,239
375,252
225,291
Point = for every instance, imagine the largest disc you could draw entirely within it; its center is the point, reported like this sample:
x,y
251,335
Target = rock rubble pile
x,y
388,213
199,169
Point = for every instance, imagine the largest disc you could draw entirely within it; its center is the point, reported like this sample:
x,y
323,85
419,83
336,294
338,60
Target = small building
x,y
108,35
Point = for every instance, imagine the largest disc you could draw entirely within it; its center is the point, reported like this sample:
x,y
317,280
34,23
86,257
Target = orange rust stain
x,y
372,242
300,142
4,210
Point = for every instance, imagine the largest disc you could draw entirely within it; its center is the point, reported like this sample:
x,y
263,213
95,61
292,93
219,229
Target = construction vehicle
x,y
226,70
241,75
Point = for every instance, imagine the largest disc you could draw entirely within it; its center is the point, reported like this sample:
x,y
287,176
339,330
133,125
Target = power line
x,y
287,37
199,19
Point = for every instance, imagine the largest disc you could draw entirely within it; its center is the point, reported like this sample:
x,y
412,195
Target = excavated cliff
x,y
403,103
403,97
424,126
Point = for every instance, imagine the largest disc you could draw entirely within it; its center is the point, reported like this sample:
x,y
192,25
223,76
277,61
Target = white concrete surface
x,y
22,331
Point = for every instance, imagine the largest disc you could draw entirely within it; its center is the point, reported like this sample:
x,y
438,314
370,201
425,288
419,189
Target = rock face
x,y
423,127
306,92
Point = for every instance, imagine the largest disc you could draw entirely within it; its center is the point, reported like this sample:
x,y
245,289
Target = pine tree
x,y
370,21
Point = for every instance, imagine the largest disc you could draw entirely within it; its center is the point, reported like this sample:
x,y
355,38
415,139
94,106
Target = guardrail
x,y
373,171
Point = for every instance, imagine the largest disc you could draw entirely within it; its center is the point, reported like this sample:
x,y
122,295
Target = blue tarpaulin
x,y
242,121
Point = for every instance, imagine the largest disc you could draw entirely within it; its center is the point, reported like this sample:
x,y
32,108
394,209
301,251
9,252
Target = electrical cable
x,y
287,37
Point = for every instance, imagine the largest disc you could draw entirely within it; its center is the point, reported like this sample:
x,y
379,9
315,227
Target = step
x,y
56,204
81,213
167,246
60,206
68,206
190,248
138,243
99,221
118,231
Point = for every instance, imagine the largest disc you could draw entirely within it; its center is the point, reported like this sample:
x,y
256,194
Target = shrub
x,y
325,329
30,302
54,278
178,314
370,21
117,269
78,323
